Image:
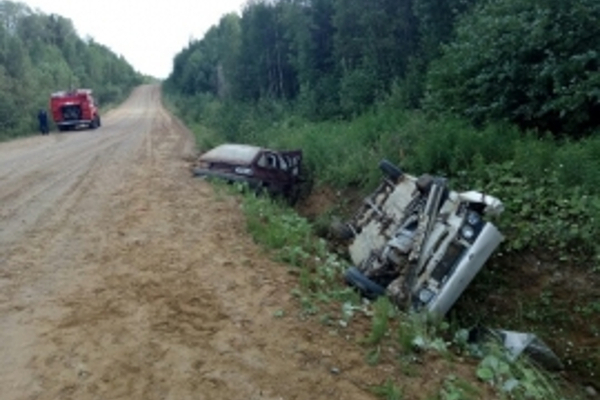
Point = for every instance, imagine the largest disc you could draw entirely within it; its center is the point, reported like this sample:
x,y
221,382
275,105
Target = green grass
x,y
517,379
388,391
551,189
383,311
455,388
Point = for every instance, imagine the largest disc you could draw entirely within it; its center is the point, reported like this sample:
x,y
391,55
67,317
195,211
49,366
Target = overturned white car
x,y
418,242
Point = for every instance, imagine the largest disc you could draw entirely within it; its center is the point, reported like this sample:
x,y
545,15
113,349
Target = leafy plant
x,y
455,388
421,332
383,310
388,391
374,355
519,379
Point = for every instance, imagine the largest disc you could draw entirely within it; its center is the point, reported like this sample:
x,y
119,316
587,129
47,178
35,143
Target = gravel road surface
x,y
122,277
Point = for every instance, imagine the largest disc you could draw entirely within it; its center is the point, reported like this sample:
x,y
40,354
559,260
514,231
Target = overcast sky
x,y
147,33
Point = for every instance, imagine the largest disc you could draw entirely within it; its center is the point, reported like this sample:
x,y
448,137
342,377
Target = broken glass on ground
x,y
518,344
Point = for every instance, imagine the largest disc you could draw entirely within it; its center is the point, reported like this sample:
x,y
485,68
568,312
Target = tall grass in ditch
x,y
340,154
292,240
551,189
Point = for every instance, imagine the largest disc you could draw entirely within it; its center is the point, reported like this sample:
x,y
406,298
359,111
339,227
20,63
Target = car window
x,y
262,161
268,160
283,163
291,161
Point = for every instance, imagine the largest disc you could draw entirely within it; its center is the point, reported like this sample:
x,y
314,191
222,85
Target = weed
x,y
308,306
326,319
388,391
589,309
407,365
345,294
349,308
383,310
519,379
420,332
374,355
455,388
406,335
305,279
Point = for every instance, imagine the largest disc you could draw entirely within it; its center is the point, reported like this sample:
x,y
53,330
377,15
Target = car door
x,y
268,170
293,163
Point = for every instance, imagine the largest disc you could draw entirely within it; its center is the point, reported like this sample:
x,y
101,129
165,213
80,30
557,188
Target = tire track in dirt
x,y
45,183
144,285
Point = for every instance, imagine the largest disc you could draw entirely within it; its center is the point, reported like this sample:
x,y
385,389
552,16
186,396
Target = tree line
x,y
534,63
41,54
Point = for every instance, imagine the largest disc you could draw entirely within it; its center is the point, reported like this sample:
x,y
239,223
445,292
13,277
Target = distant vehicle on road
x,y
74,109
275,172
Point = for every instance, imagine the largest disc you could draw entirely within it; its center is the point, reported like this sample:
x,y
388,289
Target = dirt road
x,y
121,277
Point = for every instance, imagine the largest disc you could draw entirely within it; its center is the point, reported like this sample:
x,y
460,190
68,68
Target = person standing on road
x,y
43,120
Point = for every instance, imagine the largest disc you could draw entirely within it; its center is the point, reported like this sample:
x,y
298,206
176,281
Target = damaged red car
x,y
278,173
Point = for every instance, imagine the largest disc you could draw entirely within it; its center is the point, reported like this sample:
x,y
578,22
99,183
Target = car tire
x,y
340,231
367,287
390,170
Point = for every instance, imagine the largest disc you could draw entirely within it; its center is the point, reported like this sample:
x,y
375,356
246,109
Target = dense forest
x,y
41,54
501,96
332,58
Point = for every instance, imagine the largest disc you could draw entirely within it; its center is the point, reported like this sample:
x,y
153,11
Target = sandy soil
x,y
122,277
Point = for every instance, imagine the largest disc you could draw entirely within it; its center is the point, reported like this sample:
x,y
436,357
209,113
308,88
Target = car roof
x,y
66,93
233,153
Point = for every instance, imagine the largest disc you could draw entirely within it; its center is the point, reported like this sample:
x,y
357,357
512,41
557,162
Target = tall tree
x,y
374,42
436,21
264,68
311,26
535,63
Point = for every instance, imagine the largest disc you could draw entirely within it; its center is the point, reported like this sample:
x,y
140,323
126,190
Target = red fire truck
x,y
73,109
